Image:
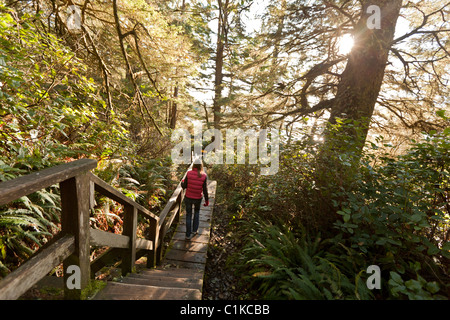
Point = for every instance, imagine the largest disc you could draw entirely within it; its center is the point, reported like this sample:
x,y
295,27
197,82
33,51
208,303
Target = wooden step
x,y
172,272
201,232
126,291
185,274
185,264
188,256
204,216
192,281
201,237
189,245
201,224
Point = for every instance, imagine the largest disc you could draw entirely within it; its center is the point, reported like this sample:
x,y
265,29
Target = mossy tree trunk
x,y
354,103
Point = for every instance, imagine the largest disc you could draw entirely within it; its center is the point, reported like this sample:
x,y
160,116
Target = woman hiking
x,y
195,184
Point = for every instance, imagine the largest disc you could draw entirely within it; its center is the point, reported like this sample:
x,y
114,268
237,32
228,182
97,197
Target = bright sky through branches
x,y
345,44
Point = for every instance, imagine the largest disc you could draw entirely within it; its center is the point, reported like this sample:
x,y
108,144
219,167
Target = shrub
x,y
27,223
399,215
394,213
283,264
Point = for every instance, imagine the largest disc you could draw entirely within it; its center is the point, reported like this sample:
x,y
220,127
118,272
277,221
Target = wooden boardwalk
x,y
180,276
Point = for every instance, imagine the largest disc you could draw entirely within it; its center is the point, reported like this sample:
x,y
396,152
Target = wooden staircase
x,y
180,275
157,284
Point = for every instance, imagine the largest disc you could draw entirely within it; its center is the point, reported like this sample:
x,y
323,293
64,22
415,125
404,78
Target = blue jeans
x,y
189,202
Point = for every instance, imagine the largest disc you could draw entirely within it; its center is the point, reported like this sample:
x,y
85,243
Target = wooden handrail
x,y
18,281
72,244
14,189
174,199
99,238
63,245
105,189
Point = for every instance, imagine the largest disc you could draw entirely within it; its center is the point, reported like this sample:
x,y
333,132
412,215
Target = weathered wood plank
x,y
20,280
101,238
172,272
188,245
171,217
152,257
185,264
169,207
129,229
201,224
173,199
198,238
123,291
75,221
105,189
187,256
192,281
24,185
144,244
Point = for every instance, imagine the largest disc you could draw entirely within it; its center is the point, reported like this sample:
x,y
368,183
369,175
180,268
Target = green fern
x,y
282,264
26,224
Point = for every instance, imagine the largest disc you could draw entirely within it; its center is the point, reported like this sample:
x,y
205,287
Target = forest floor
x,y
220,281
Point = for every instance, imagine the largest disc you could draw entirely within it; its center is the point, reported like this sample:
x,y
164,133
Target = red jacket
x,y
195,186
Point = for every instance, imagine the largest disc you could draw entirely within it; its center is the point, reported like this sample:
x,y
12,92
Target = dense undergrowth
x,y
52,112
29,222
396,216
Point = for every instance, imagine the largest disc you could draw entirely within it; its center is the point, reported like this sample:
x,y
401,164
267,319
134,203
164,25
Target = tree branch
x,y
325,104
424,22
130,70
104,68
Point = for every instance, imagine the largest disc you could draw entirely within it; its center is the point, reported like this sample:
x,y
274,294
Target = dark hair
x,y
199,167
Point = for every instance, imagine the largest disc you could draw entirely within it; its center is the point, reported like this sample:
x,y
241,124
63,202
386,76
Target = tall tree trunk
x,y
361,80
217,108
354,104
174,108
277,36
218,76
174,104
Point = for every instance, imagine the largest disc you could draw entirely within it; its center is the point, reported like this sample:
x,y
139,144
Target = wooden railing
x,y
72,244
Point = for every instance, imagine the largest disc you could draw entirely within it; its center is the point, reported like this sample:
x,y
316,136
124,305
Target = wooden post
x,y
176,220
92,202
129,229
75,221
152,259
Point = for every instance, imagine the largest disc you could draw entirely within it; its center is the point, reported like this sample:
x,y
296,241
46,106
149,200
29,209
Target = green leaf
x,y
447,131
441,113
446,246
433,250
396,277
432,287
413,285
2,250
416,217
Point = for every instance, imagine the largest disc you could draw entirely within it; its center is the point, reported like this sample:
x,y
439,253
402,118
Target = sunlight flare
x,y
345,44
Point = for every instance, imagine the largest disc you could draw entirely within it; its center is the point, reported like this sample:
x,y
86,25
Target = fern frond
x,y
47,197
18,220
